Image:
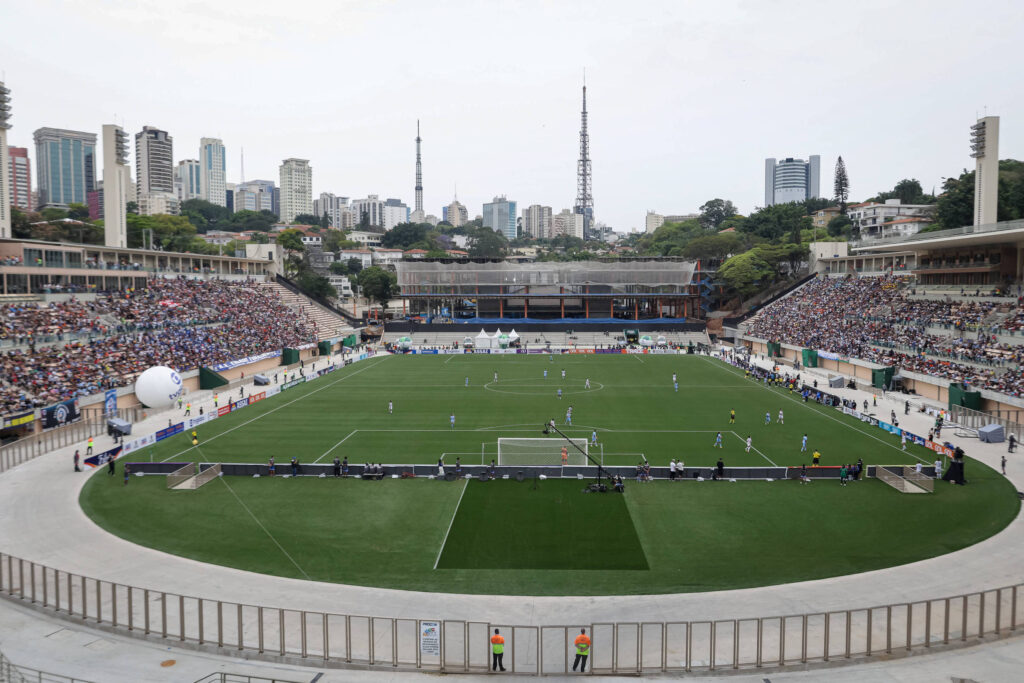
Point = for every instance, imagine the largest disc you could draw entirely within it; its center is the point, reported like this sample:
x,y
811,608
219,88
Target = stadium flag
x,y
19,419
110,402
103,458
61,414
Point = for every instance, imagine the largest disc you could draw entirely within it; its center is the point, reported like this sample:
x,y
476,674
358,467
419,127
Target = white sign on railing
x,y
430,638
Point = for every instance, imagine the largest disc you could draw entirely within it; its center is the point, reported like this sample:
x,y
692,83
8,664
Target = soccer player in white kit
x,y
588,383
545,374
673,378
903,440
749,442
391,407
495,377
803,444
563,374
782,420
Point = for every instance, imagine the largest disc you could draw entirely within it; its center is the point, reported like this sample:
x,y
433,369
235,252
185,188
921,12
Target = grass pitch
x,y
506,537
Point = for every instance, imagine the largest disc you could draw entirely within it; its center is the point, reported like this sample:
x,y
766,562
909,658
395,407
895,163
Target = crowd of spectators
x,y
180,323
874,319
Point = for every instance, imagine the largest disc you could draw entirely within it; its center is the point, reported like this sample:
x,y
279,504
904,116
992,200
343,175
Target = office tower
x,y
213,178
456,214
537,221
368,212
255,195
154,160
187,180
791,180
65,166
395,212
500,216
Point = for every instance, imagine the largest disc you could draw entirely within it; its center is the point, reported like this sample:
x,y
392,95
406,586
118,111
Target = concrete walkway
x,y
43,523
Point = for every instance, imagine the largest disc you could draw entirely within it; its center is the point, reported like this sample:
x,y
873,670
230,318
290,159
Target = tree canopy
x,y
714,211
378,284
291,239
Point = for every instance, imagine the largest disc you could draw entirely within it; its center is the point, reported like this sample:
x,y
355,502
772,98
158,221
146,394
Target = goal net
x,y
513,451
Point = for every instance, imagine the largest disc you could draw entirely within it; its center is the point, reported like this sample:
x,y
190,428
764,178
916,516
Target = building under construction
x,y
599,291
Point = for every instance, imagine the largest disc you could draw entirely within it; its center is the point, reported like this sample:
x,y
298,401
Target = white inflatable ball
x,y
158,387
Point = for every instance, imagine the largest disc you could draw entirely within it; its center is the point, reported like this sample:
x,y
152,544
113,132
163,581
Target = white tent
x,y
483,340
512,335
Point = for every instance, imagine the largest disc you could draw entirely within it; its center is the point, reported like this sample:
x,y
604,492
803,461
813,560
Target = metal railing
x,y
975,419
34,445
225,677
334,639
940,234
10,673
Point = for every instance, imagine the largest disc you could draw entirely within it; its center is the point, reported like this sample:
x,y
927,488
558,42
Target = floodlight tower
x,y
5,180
985,150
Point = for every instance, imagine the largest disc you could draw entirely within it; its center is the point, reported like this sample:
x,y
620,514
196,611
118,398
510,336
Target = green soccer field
x,y
544,537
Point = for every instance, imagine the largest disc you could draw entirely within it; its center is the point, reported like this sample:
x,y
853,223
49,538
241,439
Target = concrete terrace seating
x,y
328,323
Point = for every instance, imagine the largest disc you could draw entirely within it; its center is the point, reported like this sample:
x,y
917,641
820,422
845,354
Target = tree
x,y
713,247
714,211
339,268
355,265
131,207
746,273
842,186
291,239
772,222
840,225
487,243
404,236
325,221
306,219
252,220
20,224
378,285
205,215
52,214
316,285
78,212
956,203
813,204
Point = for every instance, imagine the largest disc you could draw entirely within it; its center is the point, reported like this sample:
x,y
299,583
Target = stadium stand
x,y
876,319
181,323
328,323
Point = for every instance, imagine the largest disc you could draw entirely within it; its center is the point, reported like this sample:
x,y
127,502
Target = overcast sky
x,y
686,99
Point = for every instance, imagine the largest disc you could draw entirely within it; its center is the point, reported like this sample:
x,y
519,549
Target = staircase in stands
x,y
328,323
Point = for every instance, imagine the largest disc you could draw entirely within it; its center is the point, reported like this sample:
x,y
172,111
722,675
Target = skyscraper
x,y
791,180
455,213
584,188
985,150
65,166
296,188
417,213
20,170
213,179
5,180
254,195
188,180
154,161
537,221
395,211
339,215
368,211
500,216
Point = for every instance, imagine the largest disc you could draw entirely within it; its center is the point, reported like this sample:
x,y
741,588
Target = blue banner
x,y
110,402
168,432
103,458
61,414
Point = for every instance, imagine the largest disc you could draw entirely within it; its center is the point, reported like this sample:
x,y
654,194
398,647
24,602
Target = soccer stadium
x,y
300,429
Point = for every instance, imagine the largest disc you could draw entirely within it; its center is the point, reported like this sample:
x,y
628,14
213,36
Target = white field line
x,y
637,356
283,405
328,451
265,530
465,484
834,419
744,441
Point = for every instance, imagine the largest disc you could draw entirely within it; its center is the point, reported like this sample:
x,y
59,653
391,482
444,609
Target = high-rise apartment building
x,y
567,223
791,180
187,180
296,188
500,216
368,212
213,178
653,221
985,150
339,214
65,166
456,214
537,221
395,212
154,160
19,170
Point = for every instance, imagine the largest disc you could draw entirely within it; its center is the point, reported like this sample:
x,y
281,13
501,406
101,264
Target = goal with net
x,y
513,451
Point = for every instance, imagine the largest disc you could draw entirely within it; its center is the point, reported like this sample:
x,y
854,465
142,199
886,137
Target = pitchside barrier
x,y
628,473
280,634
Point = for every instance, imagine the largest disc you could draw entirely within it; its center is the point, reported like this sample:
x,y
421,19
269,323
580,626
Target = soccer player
x,y
782,420
842,475
676,385
767,418
451,420
593,438
467,380
563,373
903,440
750,442
815,458
804,479
495,377
587,386
568,417
718,441
565,456
559,393
391,407
673,378
545,374
732,417
803,444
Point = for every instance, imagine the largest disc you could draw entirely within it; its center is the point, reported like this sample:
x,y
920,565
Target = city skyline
x,y
672,124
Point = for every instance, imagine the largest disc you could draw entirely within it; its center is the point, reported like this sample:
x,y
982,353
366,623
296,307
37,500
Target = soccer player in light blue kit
x,y
768,418
452,420
568,417
803,444
718,441
676,385
467,380
559,393
593,438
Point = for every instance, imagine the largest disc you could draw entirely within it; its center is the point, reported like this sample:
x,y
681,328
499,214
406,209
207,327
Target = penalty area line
x,y
744,441
465,485
328,451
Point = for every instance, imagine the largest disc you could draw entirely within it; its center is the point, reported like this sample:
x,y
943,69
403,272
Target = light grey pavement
x,y
43,523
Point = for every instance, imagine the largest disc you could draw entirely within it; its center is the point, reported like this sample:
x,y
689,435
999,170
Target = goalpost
x,y
521,451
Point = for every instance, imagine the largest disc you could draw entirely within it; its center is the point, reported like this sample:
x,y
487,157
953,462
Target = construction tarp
x,y
810,358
